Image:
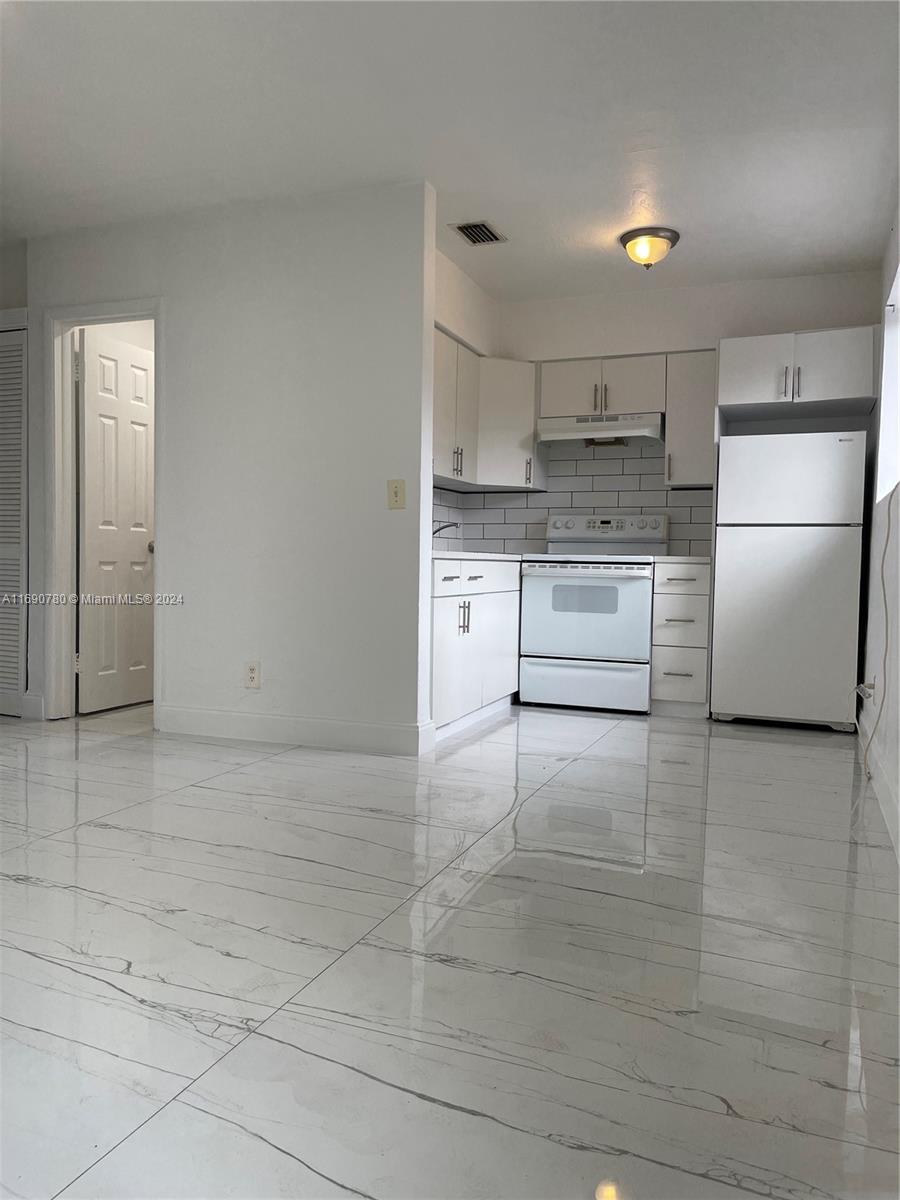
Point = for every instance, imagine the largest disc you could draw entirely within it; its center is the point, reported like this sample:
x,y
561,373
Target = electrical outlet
x,y
252,676
396,493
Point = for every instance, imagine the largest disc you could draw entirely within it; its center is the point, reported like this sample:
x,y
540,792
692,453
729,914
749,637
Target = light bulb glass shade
x,y
648,246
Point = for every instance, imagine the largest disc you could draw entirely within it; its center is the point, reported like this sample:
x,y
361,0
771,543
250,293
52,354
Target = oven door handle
x,y
588,575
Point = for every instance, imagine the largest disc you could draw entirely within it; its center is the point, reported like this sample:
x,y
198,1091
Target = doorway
x,y
114,400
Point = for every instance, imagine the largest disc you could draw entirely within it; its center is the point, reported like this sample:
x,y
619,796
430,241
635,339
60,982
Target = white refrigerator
x,y
789,518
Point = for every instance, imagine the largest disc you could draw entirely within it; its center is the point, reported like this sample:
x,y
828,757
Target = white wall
x,y
464,309
12,275
293,380
639,321
883,755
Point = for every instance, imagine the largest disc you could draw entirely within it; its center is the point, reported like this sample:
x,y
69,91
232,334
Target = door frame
x,y
60,450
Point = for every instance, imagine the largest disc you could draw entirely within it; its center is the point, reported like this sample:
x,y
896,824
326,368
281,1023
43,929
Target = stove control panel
x,y
649,527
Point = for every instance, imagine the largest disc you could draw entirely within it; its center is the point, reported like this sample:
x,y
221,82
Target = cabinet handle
x,y
528,470
668,468
680,674
448,578
784,390
798,383
471,577
596,392
461,454
461,627
605,398
468,616
680,620
681,579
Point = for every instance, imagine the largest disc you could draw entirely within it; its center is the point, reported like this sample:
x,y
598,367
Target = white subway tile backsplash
x,y
599,480
504,531
615,483
601,466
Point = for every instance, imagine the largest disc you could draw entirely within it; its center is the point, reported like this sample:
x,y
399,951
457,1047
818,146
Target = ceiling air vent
x,y
478,233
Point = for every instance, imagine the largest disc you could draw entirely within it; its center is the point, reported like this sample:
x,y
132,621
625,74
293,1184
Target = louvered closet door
x,y
12,519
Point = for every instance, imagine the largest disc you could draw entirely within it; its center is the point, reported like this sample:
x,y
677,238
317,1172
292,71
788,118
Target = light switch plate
x,y
396,489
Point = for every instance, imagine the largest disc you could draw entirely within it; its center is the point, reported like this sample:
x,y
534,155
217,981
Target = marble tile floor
x,y
562,955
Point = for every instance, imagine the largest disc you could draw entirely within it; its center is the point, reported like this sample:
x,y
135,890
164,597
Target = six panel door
x,y
116,513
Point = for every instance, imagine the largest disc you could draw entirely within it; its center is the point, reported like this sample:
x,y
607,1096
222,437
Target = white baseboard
x,y
679,708
489,712
884,786
320,732
33,707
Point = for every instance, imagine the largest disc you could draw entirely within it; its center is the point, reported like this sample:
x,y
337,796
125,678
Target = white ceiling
x,y
765,132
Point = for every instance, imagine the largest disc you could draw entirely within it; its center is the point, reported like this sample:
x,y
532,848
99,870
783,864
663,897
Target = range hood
x,y
601,427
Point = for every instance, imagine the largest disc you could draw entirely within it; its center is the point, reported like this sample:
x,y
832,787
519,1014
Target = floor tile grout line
x,y
147,800
406,900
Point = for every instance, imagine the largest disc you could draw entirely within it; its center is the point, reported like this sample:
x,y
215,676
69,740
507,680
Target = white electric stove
x,y
586,612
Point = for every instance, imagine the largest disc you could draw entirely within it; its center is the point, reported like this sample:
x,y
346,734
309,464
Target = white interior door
x,y
785,622
115,641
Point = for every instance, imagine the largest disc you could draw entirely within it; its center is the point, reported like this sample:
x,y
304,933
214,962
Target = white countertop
x,y
459,555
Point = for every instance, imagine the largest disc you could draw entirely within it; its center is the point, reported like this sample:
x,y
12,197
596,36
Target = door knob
x,y
151,547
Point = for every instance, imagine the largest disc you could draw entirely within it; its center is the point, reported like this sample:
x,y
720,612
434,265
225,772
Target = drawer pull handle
x,y
448,578
681,579
680,674
471,577
680,620
675,762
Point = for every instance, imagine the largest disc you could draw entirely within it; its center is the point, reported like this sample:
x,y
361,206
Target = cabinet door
x,y
467,412
570,389
506,422
756,370
634,385
494,624
444,403
690,419
455,686
834,364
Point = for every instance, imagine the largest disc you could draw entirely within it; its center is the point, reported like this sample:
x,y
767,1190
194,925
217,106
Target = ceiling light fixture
x,y
649,244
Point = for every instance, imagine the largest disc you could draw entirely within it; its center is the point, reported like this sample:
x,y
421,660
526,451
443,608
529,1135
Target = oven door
x,y
586,614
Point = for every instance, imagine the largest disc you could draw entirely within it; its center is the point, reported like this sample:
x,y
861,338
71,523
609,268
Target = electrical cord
x,y
884,657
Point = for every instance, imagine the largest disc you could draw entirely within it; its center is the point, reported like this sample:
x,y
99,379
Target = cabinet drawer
x,y
678,673
681,579
680,620
484,575
445,577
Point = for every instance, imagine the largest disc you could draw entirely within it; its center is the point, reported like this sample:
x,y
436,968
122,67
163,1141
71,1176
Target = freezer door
x,y
785,622
791,479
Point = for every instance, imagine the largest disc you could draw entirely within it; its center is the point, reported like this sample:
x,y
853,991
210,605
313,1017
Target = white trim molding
x,y
321,733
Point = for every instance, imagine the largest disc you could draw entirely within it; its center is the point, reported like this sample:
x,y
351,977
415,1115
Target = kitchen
x,y
634,590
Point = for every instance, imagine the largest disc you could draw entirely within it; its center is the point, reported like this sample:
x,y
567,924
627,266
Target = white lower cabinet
x,y
680,653
475,640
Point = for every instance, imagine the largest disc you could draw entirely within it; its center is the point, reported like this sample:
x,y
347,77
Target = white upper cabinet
x,y
455,436
580,386
690,419
506,422
468,367
636,384
785,368
834,364
572,388
756,370
444,448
